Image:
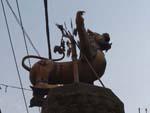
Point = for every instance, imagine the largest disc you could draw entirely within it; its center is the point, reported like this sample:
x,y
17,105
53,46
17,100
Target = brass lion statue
x,y
92,46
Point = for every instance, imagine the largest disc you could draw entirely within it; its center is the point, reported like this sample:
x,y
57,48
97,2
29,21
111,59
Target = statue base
x,y
82,98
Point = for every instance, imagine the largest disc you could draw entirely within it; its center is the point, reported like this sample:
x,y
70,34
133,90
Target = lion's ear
x,y
89,31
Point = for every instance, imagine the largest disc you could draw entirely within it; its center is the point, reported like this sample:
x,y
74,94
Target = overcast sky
x,y
127,22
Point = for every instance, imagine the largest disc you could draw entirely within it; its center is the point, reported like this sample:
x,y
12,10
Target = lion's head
x,y
102,41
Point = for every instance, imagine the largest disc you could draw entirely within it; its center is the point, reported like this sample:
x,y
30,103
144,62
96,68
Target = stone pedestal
x,y
82,98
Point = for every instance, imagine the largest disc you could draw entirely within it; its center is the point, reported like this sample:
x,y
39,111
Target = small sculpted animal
x,y
92,46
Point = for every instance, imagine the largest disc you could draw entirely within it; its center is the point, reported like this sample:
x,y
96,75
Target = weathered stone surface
x,y
82,98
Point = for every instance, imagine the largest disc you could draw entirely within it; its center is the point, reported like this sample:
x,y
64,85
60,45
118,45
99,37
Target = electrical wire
x,y
90,65
47,28
13,51
15,87
24,37
94,71
28,37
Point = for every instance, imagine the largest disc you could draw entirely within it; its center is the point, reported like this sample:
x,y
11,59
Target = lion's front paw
x,y
79,18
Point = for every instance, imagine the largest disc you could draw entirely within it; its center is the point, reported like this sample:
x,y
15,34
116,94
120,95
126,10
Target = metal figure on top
x,y
90,66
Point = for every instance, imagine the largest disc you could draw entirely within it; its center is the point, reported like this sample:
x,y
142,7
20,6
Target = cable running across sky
x,y
14,55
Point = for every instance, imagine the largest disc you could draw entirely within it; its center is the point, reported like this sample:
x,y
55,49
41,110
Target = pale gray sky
x,y
127,21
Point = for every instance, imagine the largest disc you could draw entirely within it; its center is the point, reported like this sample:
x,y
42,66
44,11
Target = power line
x,y
28,37
47,28
24,37
14,87
90,65
13,51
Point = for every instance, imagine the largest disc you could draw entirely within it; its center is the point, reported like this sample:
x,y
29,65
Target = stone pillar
x,y
82,98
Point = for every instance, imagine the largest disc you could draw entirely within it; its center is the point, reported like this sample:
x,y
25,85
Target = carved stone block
x,y
82,98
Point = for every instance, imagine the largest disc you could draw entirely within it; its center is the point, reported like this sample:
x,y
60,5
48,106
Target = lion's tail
x,y
24,65
28,57
37,57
